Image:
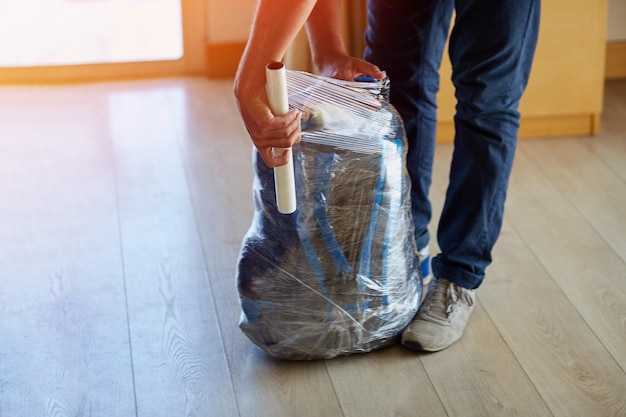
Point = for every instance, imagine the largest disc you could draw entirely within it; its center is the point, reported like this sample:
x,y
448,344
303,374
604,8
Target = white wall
x,y
616,30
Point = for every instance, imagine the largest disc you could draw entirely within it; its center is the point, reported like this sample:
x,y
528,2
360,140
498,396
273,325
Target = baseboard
x,y
538,127
615,60
223,59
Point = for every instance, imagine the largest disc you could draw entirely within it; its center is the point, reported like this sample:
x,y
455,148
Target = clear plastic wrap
x,y
341,274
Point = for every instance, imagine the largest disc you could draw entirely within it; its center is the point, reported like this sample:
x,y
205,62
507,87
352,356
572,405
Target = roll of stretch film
x,y
278,99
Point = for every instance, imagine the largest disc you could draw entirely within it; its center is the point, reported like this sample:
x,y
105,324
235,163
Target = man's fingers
x,y
268,156
279,133
274,159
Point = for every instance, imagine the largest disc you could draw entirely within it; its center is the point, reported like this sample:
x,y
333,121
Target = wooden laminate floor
x,y
122,210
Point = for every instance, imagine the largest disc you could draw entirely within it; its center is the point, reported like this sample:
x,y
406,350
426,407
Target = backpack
x,y
341,274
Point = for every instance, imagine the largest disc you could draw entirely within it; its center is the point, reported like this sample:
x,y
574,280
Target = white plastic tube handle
x,y
278,99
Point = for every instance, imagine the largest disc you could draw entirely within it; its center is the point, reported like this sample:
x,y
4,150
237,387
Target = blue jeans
x,y
491,49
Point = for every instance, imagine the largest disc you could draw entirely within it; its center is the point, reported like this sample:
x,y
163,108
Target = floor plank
x,y
480,376
577,257
64,347
388,382
554,342
573,372
178,357
584,180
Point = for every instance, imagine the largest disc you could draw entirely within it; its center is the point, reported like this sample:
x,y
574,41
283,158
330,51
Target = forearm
x,y
324,32
324,29
276,24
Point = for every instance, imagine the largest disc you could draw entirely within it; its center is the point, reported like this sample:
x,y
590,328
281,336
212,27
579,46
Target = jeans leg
x,y
491,49
406,39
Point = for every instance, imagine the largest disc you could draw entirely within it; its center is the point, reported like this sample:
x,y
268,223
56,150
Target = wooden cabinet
x,y
565,91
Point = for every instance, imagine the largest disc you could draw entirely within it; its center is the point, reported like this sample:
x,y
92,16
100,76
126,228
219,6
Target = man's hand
x,y
266,130
348,68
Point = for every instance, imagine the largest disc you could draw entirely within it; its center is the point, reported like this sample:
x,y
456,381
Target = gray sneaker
x,y
442,317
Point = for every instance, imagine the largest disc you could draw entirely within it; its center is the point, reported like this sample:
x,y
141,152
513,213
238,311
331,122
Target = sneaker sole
x,y
416,346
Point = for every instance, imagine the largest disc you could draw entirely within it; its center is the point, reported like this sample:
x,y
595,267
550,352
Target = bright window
x,y
67,32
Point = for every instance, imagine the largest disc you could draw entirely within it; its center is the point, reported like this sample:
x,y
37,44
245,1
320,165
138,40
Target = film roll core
x,y
278,99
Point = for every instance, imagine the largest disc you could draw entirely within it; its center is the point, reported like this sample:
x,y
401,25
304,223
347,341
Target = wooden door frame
x,y
193,60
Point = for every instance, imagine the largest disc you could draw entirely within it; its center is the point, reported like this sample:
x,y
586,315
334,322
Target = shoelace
x,y
444,298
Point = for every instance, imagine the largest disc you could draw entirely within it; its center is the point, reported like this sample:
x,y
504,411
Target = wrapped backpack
x,y
341,274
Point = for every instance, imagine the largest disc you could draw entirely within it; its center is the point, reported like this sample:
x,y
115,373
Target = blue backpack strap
x,y
307,245
324,163
365,255
395,204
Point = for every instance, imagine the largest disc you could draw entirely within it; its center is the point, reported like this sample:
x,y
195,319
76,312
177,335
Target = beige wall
x,y
617,20
229,21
